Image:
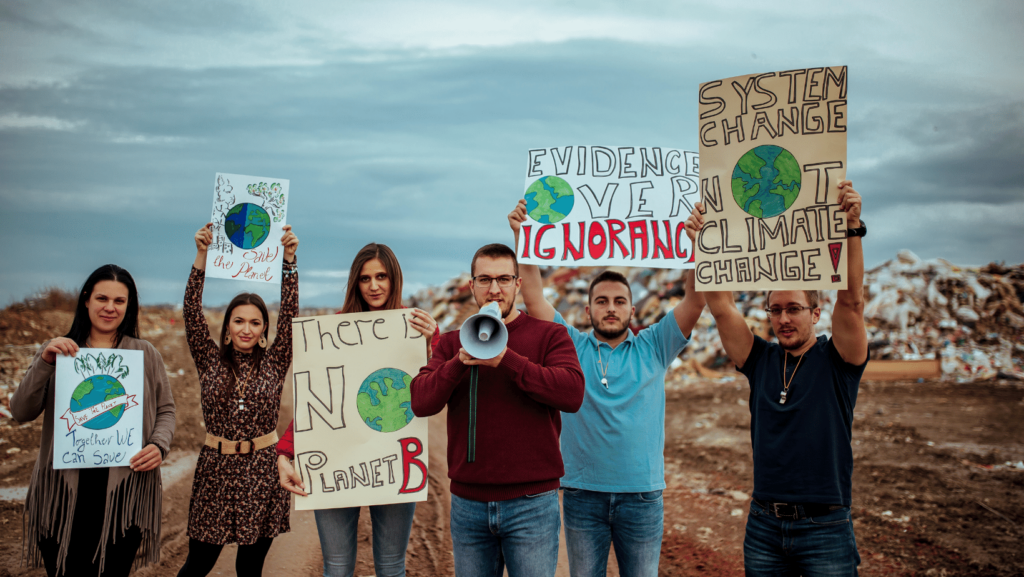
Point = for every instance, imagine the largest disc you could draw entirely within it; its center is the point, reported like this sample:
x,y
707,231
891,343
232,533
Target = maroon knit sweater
x,y
518,418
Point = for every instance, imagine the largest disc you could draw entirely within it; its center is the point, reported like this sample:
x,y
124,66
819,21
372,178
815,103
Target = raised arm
x,y
533,285
687,312
848,332
280,353
732,328
197,332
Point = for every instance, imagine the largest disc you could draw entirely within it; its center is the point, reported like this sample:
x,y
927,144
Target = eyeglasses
x,y
504,281
791,311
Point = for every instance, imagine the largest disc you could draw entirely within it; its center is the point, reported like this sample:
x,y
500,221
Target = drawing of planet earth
x,y
766,181
549,199
384,400
94,391
247,225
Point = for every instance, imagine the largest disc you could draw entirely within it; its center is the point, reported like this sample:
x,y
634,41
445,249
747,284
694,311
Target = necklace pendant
x,y
605,383
241,405
782,398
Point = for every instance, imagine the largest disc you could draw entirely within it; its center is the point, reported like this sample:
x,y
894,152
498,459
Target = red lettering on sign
x,y
544,253
614,228
597,248
412,448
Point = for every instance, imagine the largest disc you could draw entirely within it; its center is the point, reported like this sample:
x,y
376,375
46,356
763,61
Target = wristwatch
x,y
860,231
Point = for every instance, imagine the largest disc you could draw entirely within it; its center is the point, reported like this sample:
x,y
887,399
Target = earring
x,y
227,339
263,341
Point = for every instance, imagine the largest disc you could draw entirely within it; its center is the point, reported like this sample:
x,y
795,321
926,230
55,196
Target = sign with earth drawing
x,y
357,441
609,206
248,216
773,149
98,409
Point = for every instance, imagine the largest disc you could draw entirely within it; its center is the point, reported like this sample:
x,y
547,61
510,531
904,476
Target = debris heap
x,y
970,318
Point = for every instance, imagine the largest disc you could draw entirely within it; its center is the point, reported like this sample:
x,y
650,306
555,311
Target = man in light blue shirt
x,y
613,448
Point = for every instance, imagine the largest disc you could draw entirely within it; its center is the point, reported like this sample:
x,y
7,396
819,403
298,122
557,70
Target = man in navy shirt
x,y
802,393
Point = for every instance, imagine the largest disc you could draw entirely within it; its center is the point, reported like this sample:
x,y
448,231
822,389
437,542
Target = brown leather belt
x,y
229,447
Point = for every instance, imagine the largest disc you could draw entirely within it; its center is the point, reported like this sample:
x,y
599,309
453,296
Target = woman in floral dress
x,y
236,497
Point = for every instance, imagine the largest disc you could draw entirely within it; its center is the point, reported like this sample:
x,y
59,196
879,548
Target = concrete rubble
x,y
970,318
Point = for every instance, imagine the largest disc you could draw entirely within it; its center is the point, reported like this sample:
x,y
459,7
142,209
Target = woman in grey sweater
x,y
97,521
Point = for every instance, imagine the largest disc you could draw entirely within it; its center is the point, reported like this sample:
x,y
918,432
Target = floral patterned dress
x,y
237,498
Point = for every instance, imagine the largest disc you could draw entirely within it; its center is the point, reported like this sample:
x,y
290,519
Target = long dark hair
x,y
81,327
227,351
354,301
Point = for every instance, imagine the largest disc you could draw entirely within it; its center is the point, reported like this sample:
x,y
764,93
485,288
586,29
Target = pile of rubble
x,y
970,318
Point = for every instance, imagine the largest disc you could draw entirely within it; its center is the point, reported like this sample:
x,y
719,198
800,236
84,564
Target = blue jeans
x,y
633,522
391,527
522,533
823,545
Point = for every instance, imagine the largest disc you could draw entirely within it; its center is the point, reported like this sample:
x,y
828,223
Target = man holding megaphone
x,y
505,378
614,446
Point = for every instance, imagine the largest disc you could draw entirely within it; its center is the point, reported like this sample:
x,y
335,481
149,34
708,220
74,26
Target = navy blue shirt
x,y
802,450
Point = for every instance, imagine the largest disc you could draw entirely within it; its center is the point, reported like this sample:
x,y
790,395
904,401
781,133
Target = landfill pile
x,y
970,318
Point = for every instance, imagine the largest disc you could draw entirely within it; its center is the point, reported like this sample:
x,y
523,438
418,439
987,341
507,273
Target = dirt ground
x,y
933,494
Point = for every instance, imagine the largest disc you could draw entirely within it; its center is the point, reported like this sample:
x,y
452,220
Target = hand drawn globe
x,y
247,225
94,391
384,400
766,181
549,199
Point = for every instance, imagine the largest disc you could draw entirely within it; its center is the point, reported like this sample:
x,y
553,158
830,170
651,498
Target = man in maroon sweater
x,y
503,426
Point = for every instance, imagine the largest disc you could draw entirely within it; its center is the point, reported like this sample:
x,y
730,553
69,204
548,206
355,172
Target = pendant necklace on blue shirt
x,y
785,388
604,368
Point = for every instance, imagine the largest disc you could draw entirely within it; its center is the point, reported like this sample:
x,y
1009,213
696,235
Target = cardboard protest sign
x,y
356,439
773,148
98,409
609,206
248,215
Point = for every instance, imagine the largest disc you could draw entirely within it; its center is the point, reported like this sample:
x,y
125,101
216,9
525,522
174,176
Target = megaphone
x,y
484,335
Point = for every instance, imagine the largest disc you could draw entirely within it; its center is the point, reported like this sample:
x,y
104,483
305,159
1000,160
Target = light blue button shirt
x,y
616,442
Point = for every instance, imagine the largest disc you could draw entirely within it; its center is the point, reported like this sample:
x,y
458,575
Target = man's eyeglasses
x,y
791,311
504,281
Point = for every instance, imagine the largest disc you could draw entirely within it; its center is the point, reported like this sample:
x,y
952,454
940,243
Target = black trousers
x,y
90,506
203,556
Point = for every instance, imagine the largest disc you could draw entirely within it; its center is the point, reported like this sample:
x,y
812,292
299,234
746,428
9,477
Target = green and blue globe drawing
x,y
94,391
247,225
766,181
384,401
549,199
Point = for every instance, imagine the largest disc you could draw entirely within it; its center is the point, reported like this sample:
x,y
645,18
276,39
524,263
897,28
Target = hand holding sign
x,y
290,242
59,346
850,202
147,459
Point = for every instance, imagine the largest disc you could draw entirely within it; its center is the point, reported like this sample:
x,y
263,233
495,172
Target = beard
x,y
610,335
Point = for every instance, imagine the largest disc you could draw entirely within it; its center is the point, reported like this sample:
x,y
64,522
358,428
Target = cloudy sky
x,y
408,122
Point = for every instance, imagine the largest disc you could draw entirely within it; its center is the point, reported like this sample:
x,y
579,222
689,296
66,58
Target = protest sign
x,y
356,440
773,148
98,409
609,206
248,215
